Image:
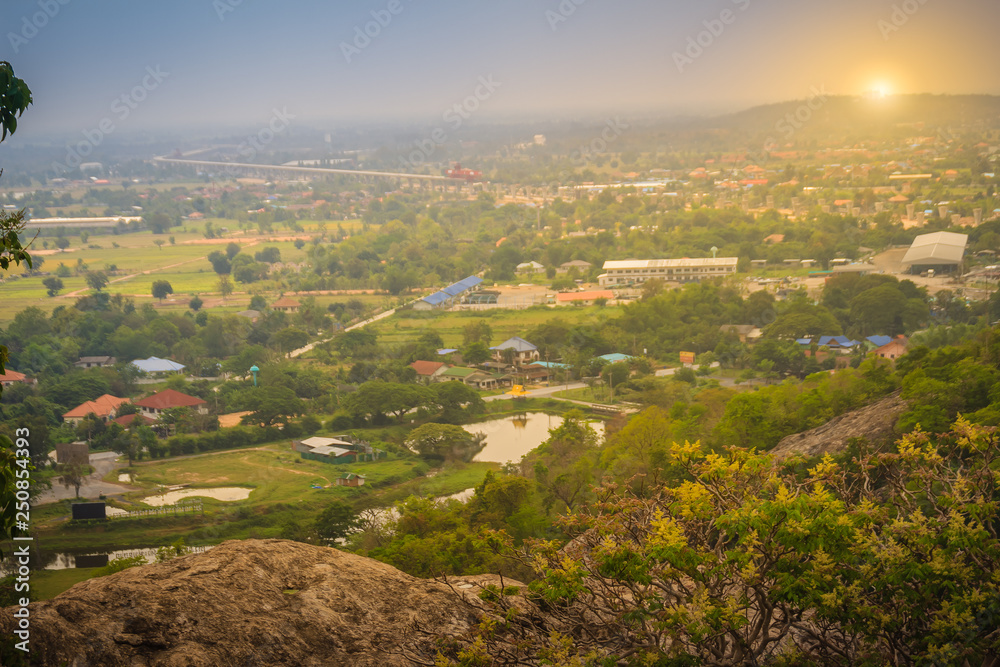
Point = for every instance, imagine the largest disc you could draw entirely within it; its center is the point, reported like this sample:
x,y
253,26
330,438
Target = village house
x,y
104,408
10,377
95,362
286,305
894,349
578,264
155,405
341,449
157,366
350,479
747,333
474,378
429,371
524,352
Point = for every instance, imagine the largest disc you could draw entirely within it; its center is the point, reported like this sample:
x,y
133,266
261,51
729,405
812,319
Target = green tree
x,y
161,289
52,285
195,303
445,441
336,521
880,561
97,280
220,263
476,353
225,285
74,475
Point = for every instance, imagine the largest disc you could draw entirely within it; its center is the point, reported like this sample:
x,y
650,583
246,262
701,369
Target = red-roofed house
x,y
134,419
104,408
10,377
429,370
286,305
153,406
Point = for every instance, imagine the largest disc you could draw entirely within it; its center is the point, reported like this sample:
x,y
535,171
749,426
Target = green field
x,y
408,326
138,262
46,584
283,503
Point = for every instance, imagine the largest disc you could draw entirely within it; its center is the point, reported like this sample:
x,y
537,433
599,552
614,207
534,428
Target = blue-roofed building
x,y
551,365
450,295
879,341
155,365
615,358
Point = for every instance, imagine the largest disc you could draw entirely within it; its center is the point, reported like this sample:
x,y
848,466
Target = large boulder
x,y
252,603
875,423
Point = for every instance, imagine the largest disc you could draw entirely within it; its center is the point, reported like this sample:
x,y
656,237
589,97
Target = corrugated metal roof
x,y
937,248
518,344
670,263
157,365
462,286
437,298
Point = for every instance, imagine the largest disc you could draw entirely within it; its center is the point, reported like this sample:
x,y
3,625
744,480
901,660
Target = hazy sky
x,y
235,61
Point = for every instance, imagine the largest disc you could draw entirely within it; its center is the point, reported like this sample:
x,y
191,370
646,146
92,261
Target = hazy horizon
x,y
233,63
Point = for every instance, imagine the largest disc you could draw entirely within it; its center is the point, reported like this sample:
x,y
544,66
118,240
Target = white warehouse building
x,y
668,270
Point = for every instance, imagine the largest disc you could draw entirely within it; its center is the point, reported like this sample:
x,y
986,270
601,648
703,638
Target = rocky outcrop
x,y
252,603
875,422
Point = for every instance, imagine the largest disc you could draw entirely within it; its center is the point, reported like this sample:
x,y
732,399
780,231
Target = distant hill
x,y
862,116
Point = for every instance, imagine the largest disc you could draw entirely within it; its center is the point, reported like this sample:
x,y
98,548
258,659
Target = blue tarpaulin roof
x,y
614,358
157,365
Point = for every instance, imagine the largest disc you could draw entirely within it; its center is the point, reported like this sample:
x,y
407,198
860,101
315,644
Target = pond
x,y
228,494
510,438
52,560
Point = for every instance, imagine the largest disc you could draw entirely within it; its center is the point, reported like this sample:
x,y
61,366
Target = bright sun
x,y
882,90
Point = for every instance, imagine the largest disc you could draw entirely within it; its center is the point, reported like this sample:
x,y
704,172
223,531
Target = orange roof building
x,y
286,305
103,407
10,377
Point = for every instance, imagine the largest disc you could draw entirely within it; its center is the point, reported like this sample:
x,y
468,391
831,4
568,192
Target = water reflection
x,y
510,438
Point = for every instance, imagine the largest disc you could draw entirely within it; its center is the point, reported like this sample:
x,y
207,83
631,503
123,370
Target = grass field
x,y
504,323
282,504
139,262
47,584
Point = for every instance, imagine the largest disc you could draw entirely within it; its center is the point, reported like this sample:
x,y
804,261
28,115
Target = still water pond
x,y
510,438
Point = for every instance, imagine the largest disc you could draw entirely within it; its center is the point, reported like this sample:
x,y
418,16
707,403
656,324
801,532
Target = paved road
x,y
94,486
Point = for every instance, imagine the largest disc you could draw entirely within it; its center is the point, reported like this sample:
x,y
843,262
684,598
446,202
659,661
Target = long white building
x,y
669,270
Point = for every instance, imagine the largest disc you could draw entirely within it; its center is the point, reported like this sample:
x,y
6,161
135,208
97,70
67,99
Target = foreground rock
x,y
875,423
255,602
